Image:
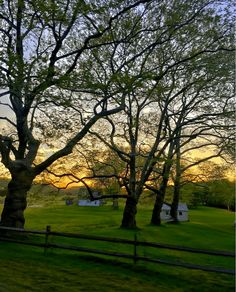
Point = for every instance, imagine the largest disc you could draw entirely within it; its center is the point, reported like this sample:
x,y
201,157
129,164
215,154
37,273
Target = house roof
x,y
181,207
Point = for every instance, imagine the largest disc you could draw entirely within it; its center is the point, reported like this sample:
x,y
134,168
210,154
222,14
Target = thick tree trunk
x,y
15,201
175,203
156,212
129,214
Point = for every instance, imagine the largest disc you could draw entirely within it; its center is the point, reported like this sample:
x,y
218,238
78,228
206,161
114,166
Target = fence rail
x,y
135,243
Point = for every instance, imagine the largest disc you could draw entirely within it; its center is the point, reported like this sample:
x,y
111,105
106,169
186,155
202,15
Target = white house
x,y
182,212
89,203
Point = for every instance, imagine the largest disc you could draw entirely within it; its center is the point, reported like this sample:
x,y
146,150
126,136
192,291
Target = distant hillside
x,y
41,194
39,188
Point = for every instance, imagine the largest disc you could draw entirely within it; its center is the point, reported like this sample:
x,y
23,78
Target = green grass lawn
x,y
25,268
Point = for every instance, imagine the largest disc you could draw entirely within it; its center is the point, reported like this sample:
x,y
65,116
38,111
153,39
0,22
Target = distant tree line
x,y
218,193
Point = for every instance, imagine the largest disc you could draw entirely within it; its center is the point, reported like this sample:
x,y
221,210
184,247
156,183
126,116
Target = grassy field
x,y
26,268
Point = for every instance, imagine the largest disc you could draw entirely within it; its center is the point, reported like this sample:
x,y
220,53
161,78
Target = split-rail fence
x,y
11,235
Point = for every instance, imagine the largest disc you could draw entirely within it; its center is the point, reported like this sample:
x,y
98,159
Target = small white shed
x,y
182,212
89,203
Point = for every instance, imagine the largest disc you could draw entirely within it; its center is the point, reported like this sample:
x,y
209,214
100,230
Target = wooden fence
x,y
5,235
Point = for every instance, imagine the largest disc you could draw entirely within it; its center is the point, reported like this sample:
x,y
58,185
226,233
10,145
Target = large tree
x,y
50,72
187,87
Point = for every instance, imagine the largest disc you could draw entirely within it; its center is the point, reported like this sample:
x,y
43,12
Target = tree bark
x,y
156,212
175,203
15,201
130,210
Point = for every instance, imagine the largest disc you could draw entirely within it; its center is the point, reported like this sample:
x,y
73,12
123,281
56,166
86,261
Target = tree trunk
x,y
156,212
175,203
15,201
129,214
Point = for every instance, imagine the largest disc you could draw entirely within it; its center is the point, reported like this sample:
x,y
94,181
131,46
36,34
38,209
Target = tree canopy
x,y
153,72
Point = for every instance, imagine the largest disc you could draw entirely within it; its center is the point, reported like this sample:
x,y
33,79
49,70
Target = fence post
x,y
48,230
135,248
